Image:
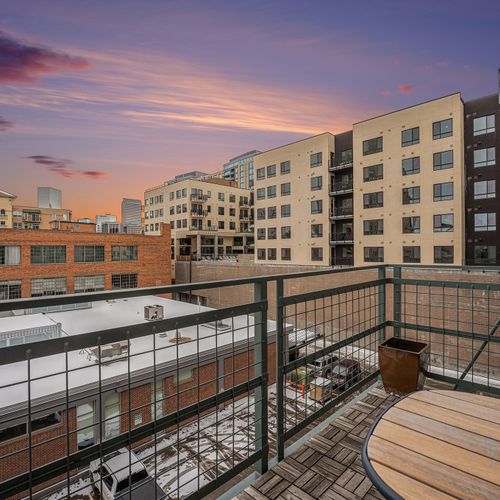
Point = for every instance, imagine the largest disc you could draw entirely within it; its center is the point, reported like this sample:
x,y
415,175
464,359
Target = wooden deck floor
x,y
329,465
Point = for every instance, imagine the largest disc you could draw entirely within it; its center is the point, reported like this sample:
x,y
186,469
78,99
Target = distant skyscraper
x,y
49,197
240,169
100,220
131,215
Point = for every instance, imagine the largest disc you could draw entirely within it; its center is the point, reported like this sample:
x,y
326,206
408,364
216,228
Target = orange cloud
x,y
406,89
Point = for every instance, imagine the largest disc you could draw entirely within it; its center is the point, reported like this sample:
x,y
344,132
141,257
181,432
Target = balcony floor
x,y
329,465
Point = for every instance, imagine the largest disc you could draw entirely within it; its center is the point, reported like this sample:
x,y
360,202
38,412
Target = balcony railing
x,y
342,237
341,212
338,187
199,213
199,197
341,166
190,394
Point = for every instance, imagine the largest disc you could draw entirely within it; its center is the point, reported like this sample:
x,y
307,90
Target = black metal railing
x,y
337,187
341,212
342,236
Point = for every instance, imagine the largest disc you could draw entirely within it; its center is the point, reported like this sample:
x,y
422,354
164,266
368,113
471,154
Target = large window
x,y
261,193
10,255
41,287
443,223
484,189
271,254
285,167
10,289
85,284
411,225
484,124
317,206
485,255
484,157
373,254
286,189
261,173
271,171
316,254
94,253
85,433
373,200
372,146
411,165
442,160
373,173
55,254
111,403
443,255
261,253
410,136
411,195
485,222
411,255
316,230
375,226
271,191
346,156
286,210
124,281
286,254
316,159
286,232
443,191
261,233
261,214
124,253
442,129
316,183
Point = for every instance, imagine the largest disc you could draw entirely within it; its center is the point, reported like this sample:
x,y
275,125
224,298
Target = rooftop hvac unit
x,y
153,313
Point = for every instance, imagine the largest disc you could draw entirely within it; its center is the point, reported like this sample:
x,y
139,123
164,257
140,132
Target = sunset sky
x,y
104,98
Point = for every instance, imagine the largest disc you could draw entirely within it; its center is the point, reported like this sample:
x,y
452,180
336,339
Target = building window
x,y
232,212
183,375
443,223
271,233
346,156
91,253
271,254
485,255
411,225
373,200
220,210
44,287
271,212
84,284
157,397
484,157
484,124
317,254
372,146
261,233
485,222
317,206
261,213
221,196
85,435
443,255
411,165
286,189
411,195
261,173
55,254
375,226
10,290
10,255
271,191
316,183
261,193
286,232
286,210
286,254
316,159
232,198
373,173
316,230
484,189
122,253
443,191
442,129
111,403
411,255
119,281
221,224
261,253
271,171
373,254
442,160
410,136
285,167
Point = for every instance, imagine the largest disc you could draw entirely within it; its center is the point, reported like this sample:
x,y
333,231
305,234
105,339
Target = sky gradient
x,y
103,99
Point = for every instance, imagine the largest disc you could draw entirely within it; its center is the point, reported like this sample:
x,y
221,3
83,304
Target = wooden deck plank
x,y
487,401
430,472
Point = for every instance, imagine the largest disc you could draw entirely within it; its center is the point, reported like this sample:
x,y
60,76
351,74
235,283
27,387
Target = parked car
x,y
345,373
321,390
300,379
323,366
121,475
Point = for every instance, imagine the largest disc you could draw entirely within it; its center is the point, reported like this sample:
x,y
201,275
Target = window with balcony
x,y
443,191
485,222
89,253
120,253
484,157
484,124
261,233
411,255
442,160
316,254
10,289
271,254
120,281
484,189
316,206
271,233
271,191
411,165
411,195
285,167
443,254
485,254
316,183
316,230
442,129
373,173
286,254
410,136
43,287
374,226
372,146
443,223
316,159
373,200
286,189
373,254
85,284
286,232
54,254
271,212
10,255
271,171
286,210
261,173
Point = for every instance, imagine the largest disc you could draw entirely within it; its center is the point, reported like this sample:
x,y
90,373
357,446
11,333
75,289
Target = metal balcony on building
x,y
341,166
341,238
341,188
341,213
199,197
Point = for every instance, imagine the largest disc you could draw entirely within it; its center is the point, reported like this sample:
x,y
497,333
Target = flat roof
x,y
15,323
295,142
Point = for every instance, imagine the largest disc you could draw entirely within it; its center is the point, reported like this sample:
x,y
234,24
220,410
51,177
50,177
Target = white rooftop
x,y
14,323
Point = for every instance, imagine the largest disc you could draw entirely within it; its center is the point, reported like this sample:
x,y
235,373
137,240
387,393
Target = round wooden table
x,y
436,444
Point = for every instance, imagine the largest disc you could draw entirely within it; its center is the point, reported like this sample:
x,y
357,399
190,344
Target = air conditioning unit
x,y
153,313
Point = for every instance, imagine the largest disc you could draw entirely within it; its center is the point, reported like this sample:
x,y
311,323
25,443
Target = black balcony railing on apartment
x,y
341,237
341,212
337,187
194,395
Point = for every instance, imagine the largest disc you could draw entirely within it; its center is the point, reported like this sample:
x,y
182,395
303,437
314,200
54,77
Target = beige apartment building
x,y
209,216
408,176
292,202
6,199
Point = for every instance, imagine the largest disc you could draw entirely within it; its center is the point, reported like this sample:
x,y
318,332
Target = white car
x,y
121,475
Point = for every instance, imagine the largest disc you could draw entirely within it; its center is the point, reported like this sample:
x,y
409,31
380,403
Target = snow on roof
x,y
14,323
112,314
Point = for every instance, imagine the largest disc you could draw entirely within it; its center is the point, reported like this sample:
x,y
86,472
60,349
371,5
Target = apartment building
x,y
56,262
482,208
6,200
27,217
209,216
241,170
292,202
408,180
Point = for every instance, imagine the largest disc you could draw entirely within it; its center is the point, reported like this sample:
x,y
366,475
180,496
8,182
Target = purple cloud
x,y
23,63
5,124
65,168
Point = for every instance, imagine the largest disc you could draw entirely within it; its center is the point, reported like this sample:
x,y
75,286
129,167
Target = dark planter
x,y
402,364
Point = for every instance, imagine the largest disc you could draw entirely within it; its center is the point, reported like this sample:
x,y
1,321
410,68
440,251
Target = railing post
x,y
397,301
260,370
280,362
381,303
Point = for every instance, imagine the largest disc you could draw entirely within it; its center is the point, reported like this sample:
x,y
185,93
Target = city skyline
x,y
103,110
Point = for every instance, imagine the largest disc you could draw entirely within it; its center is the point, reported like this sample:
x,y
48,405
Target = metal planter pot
x,y
402,364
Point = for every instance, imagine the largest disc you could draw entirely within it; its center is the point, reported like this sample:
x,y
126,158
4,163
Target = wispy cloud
x,y
24,63
5,124
406,89
65,168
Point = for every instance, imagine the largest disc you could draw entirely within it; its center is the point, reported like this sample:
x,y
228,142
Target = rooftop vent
x,y
153,313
